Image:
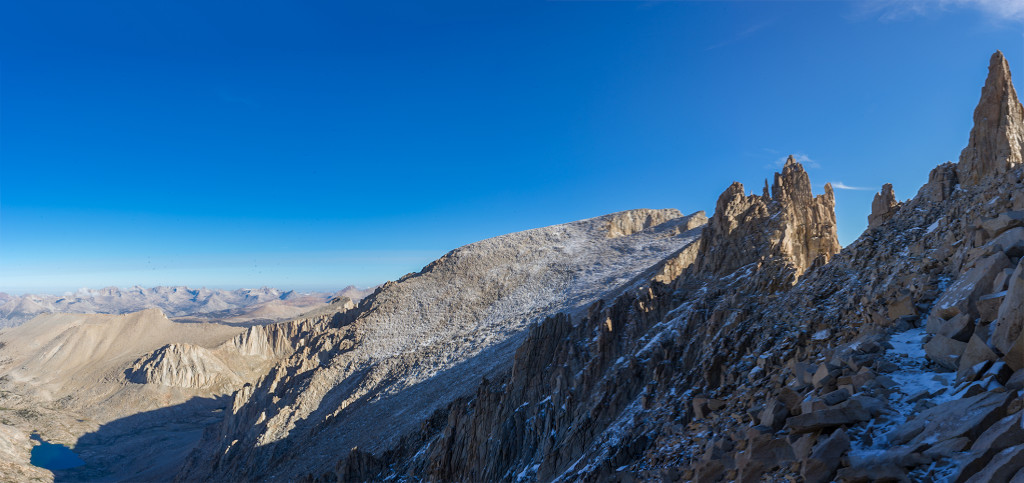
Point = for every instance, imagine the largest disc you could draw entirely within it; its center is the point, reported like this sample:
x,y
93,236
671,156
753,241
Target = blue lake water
x,y
53,456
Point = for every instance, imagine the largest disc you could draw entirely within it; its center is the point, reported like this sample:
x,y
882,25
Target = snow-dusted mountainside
x,y
233,306
761,353
418,343
643,345
900,358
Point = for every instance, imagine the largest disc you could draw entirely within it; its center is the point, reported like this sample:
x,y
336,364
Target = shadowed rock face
x,y
997,138
791,224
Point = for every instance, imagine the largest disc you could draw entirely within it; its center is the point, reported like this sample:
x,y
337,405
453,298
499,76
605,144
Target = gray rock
x,y
966,417
1004,433
889,472
975,352
995,226
945,351
959,327
947,448
962,296
774,415
1000,283
1010,242
1016,380
825,458
836,397
1003,466
848,412
1007,327
988,306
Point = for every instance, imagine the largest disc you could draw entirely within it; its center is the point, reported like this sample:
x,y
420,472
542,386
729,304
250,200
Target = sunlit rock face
x,y
997,138
788,224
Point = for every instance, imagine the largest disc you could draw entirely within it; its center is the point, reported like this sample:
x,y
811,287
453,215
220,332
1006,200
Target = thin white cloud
x,y
900,9
800,158
839,185
743,34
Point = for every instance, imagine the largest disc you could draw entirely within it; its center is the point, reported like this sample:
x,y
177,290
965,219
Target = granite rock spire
x,y
997,138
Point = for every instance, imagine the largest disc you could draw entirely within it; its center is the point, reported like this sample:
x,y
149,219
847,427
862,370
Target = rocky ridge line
x,y
418,343
883,364
790,222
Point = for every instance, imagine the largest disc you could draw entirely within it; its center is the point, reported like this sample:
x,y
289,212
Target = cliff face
x,y
790,225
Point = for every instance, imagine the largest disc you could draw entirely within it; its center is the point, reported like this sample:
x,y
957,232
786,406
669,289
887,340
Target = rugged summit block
x,y
792,224
883,206
997,138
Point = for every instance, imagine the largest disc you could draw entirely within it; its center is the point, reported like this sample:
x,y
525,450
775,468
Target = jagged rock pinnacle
x,y
793,225
883,206
792,183
997,138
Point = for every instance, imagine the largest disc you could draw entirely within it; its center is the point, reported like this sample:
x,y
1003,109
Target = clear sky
x,y
312,145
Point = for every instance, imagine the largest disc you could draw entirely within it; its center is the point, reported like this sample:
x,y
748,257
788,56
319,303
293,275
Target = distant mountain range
x,y
642,345
240,306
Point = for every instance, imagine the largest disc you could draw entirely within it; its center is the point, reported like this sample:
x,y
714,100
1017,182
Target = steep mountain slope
x,y
417,344
626,347
577,401
197,305
901,359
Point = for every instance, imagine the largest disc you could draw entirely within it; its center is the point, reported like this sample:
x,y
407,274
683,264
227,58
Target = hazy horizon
x,y
324,145
229,288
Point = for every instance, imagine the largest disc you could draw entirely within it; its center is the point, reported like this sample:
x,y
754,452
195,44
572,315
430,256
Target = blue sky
x,y
312,145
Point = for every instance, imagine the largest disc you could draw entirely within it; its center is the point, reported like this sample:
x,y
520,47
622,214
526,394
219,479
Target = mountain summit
x,y
997,139
791,224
